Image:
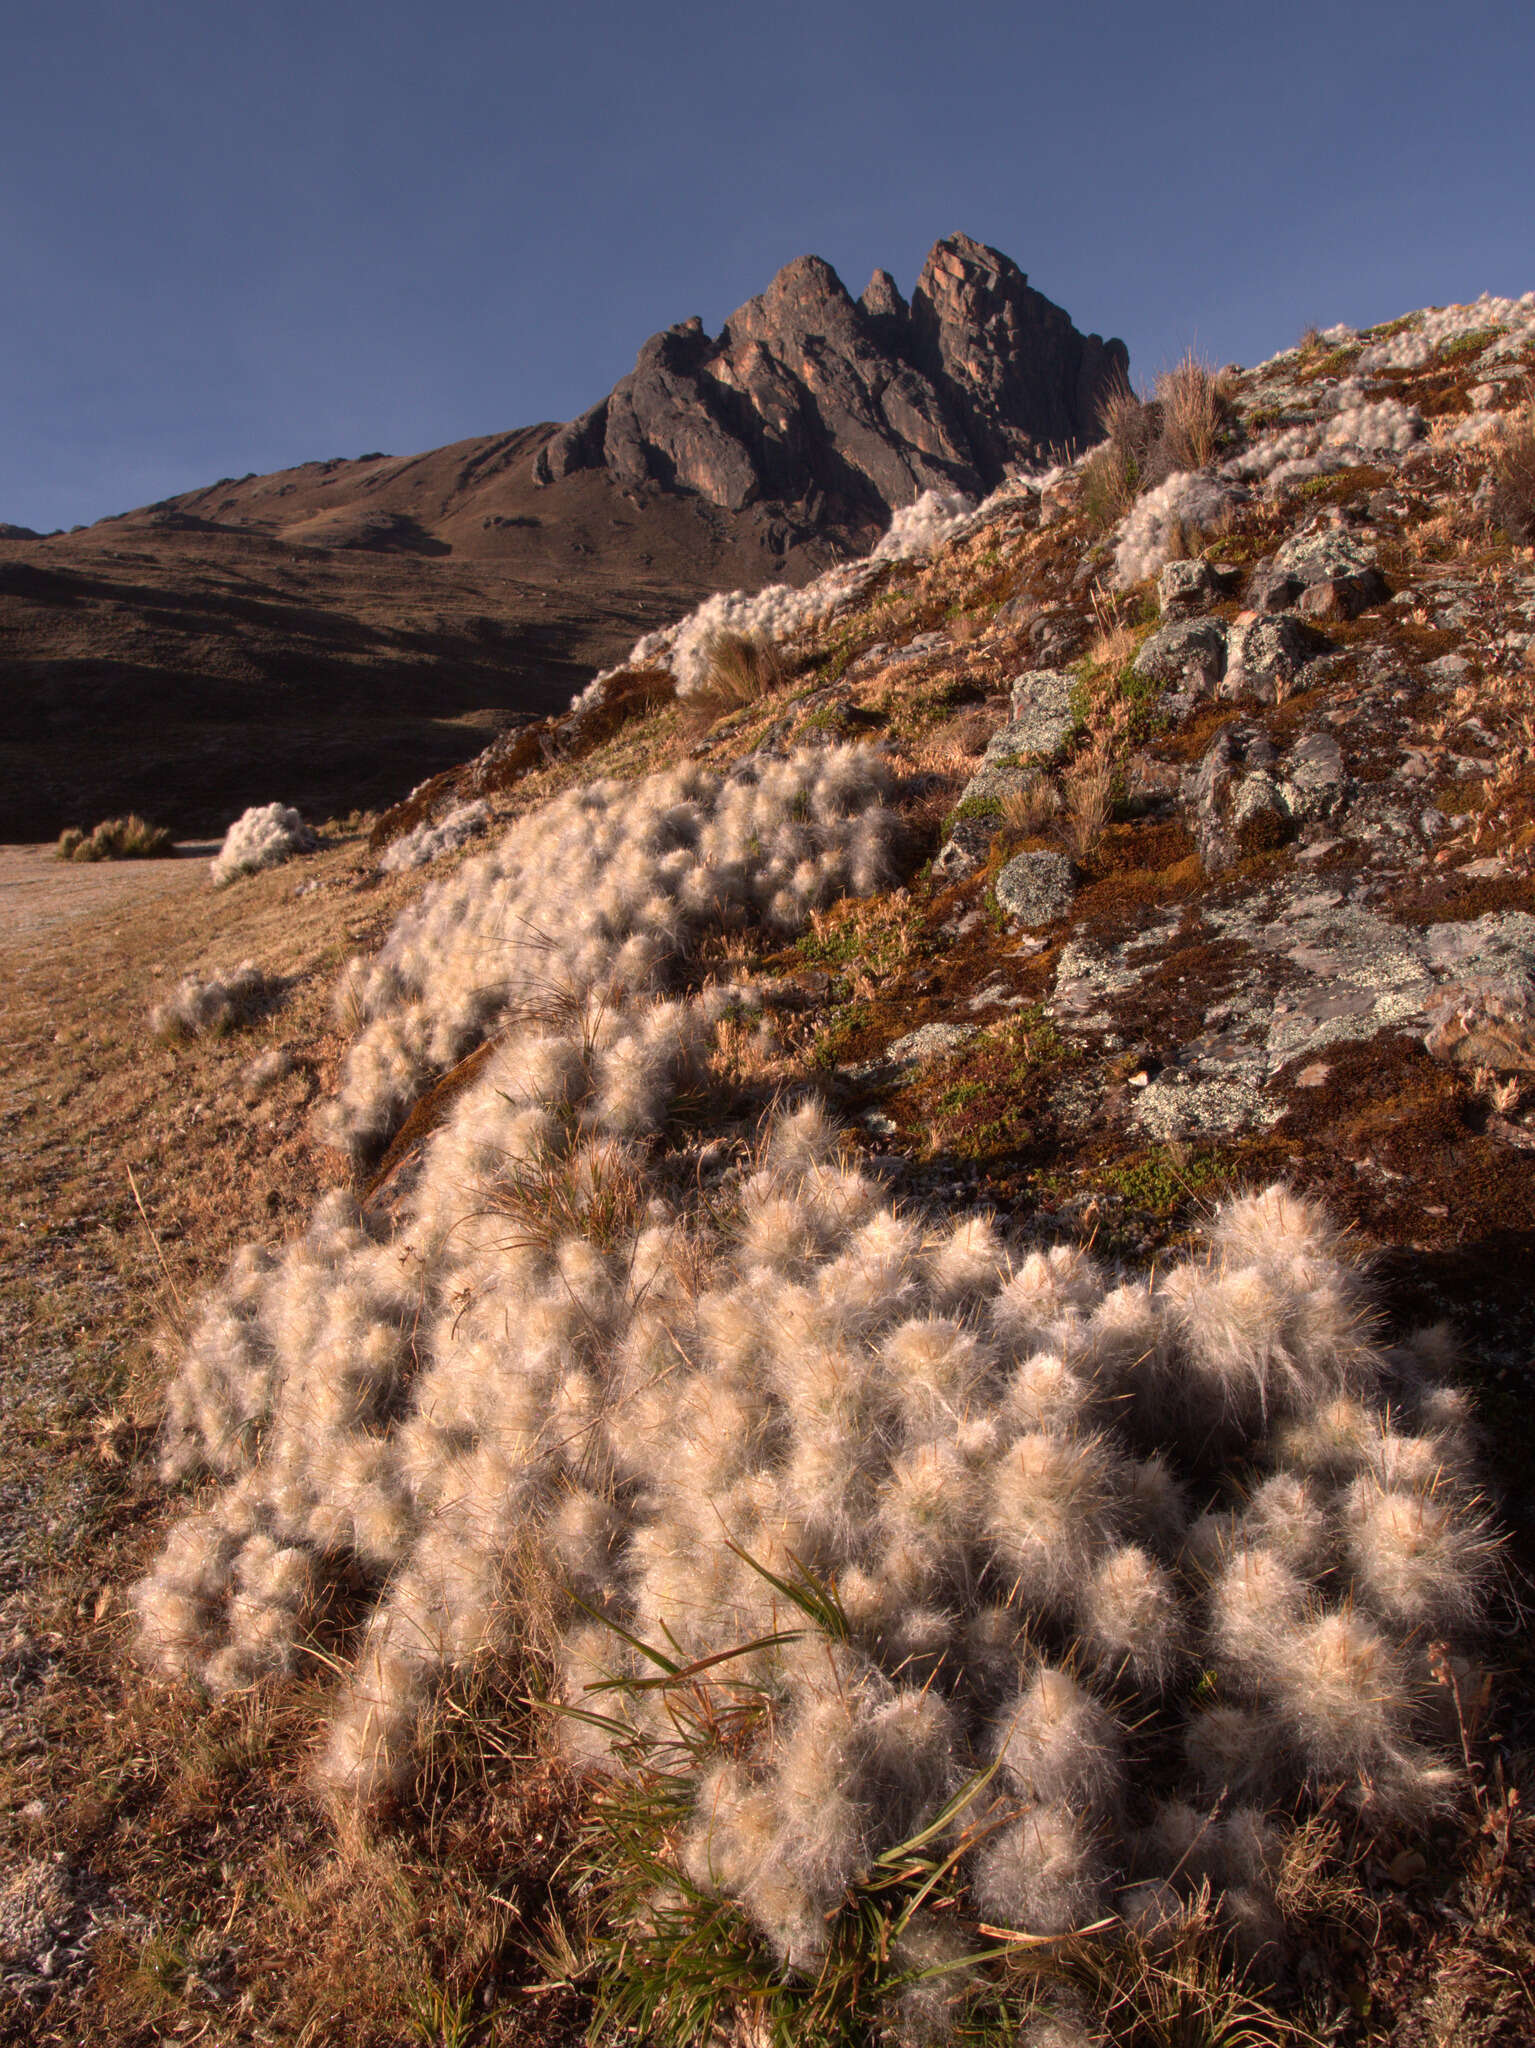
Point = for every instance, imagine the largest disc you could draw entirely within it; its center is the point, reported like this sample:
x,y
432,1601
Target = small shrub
x,y
130,838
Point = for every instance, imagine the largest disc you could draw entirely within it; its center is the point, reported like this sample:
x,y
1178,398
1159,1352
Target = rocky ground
x,y
1218,869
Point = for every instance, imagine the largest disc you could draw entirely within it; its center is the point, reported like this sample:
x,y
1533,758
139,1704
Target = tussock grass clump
x,y
208,1005
1117,471
740,669
1194,414
262,837
130,838
1029,808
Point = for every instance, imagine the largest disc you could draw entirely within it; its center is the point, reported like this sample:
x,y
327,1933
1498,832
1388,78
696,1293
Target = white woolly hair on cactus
x,y
1151,532
207,1005
603,889
262,837
553,1370
433,840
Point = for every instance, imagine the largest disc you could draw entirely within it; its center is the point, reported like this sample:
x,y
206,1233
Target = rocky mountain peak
x,y
810,398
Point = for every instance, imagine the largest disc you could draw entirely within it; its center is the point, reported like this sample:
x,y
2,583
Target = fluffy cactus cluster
x,y
207,1005
780,611
604,887
264,836
1147,1564
430,841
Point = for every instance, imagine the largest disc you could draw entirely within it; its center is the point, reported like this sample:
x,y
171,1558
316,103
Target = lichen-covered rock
x,y
1035,888
966,847
1042,721
1187,651
1237,804
1329,572
1265,655
1315,780
1187,587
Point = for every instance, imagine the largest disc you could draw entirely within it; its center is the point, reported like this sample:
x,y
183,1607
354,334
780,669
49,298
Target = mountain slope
x,y
329,633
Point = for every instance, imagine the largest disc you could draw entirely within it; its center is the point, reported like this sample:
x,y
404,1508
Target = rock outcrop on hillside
x,y
863,403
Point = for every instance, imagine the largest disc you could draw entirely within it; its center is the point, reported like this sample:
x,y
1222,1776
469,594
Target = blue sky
x,y
236,237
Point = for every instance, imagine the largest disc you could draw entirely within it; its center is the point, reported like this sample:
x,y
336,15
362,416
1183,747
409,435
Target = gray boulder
x,y
1329,573
1035,888
1191,652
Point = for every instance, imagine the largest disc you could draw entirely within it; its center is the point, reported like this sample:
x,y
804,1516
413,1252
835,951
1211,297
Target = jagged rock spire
x,y
861,403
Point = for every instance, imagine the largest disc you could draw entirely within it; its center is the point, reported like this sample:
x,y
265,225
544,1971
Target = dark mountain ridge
x,y
330,633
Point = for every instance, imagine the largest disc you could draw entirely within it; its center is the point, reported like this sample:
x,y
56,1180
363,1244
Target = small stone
x,y
927,1042
1314,1075
1035,888
965,848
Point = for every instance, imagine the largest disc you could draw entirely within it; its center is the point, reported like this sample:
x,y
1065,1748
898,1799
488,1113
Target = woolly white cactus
x,y
1151,532
428,842
262,837
1043,1504
210,1004
604,888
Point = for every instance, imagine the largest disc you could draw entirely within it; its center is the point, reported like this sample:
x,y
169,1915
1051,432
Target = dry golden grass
x,y
1193,413
1027,810
1113,646
1513,476
129,838
743,668
1089,781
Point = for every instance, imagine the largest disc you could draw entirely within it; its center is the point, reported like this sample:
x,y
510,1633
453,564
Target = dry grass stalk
x,y
1089,781
743,669
1192,413
1029,809
1113,647
1116,472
